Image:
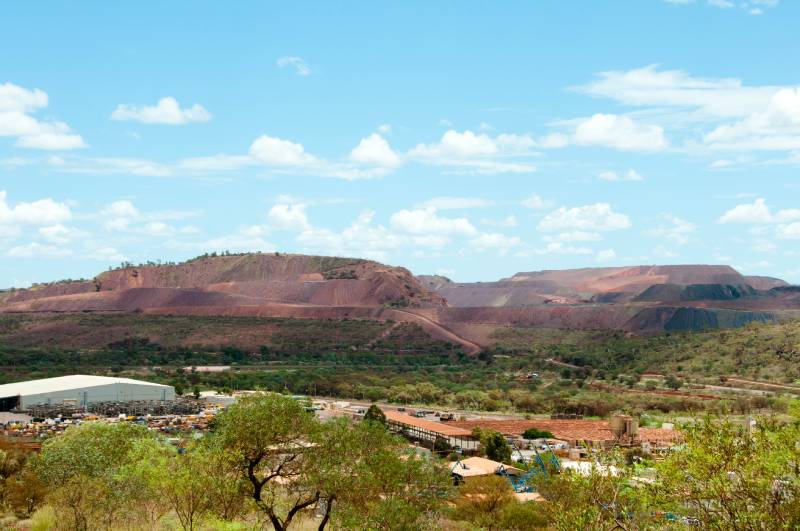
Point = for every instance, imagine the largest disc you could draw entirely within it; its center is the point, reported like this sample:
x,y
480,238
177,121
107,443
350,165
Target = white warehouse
x,y
80,390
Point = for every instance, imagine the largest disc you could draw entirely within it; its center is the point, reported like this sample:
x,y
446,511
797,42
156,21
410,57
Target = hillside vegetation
x,y
758,350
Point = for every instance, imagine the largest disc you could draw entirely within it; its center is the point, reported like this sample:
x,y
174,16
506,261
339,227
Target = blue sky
x,y
472,139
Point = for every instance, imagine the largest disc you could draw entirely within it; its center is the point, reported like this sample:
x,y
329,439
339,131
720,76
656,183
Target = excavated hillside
x,y
638,299
235,280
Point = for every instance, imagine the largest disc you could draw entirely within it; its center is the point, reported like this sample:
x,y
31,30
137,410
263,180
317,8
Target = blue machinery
x,y
542,466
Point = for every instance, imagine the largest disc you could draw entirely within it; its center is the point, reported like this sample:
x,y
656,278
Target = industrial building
x,y
80,390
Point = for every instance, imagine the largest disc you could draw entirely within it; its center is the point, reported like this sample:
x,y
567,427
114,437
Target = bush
x,y
534,433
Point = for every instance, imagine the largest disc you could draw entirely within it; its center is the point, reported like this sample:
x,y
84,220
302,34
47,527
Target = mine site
x,y
400,266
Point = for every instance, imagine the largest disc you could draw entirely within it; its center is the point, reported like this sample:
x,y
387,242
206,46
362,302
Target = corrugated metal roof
x,y
436,427
64,383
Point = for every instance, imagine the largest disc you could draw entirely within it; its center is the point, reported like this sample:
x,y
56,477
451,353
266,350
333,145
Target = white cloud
x,y
574,236
477,153
560,248
674,229
298,63
290,157
375,150
426,221
454,203
288,217
494,240
58,234
619,132
536,202
789,231
16,98
596,217
106,166
123,216
605,255
775,127
122,208
630,175
508,221
783,224
104,253
40,212
361,239
166,111
758,212
16,106
38,250
650,87
554,141
277,151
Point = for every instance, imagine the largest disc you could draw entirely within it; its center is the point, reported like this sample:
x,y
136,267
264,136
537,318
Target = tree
x,y
482,500
270,436
729,477
186,481
369,479
375,414
672,382
535,433
360,476
82,468
494,445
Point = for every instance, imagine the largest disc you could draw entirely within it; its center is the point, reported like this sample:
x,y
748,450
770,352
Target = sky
x,y
465,138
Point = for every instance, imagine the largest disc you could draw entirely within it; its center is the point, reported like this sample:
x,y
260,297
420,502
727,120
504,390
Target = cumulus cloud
x,y
298,63
470,152
40,212
776,127
782,224
375,150
427,221
166,111
279,152
123,216
596,217
360,239
290,216
619,132
17,105
755,213
372,157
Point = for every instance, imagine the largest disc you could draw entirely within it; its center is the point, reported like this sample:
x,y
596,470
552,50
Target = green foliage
x,y
291,462
731,479
672,382
374,414
484,502
534,433
494,445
